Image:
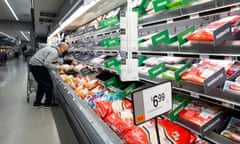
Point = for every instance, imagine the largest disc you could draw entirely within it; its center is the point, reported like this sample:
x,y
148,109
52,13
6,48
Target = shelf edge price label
x,y
195,95
151,102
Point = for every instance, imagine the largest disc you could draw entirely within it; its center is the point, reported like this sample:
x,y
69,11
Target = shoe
x,y
50,105
37,104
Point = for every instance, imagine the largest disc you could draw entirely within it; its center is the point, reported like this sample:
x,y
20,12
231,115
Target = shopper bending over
x,y
40,64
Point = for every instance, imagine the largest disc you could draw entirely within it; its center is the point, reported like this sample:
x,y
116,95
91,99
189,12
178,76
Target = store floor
x,y
20,123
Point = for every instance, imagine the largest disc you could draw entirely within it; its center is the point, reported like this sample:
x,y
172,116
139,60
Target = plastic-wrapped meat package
x,y
104,108
198,113
152,61
120,105
127,117
233,19
118,125
97,112
217,63
74,84
91,100
232,130
81,80
79,67
204,69
206,33
126,114
232,87
92,84
82,93
171,133
136,136
143,69
150,129
172,60
98,60
194,75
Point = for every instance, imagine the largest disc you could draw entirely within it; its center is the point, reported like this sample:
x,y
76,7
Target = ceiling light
x,y
6,35
24,35
12,11
32,3
80,11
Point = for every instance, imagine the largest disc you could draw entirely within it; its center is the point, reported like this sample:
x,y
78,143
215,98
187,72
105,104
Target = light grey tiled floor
x,y
20,123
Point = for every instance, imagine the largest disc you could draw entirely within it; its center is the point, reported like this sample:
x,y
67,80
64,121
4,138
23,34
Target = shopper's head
x,y
63,47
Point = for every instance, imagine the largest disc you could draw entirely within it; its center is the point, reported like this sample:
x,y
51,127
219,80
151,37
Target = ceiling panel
x,y
22,8
5,13
52,6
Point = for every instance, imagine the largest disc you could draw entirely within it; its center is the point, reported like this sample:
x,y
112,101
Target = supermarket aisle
x,y
21,123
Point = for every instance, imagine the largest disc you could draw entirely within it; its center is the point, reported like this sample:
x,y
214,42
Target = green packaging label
x,y
110,82
109,22
172,40
180,71
111,62
159,5
141,59
156,70
173,115
113,42
126,92
103,42
161,37
182,34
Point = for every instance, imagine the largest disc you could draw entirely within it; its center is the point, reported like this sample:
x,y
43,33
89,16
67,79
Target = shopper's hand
x,y
66,67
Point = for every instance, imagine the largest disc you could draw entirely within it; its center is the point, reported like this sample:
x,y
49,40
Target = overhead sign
x,y
151,102
47,14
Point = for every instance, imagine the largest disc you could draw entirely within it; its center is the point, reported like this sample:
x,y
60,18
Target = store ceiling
x,y
43,24
10,26
22,9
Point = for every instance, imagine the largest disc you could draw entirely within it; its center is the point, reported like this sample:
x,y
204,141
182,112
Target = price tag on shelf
x,y
151,102
194,95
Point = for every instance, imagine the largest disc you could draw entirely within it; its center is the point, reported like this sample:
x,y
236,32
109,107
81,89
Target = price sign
x,y
152,102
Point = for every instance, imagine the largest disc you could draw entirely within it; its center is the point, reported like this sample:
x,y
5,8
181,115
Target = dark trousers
x,y
45,85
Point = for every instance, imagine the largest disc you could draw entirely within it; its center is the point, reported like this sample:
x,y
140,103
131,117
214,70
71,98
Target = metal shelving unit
x,y
201,9
217,97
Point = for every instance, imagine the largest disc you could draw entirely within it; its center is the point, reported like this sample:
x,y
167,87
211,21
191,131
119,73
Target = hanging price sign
x,y
151,102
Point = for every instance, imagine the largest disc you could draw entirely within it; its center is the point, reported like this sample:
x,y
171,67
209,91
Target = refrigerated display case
x,y
179,23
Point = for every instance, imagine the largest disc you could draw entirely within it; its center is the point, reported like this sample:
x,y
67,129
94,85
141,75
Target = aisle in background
x,y
21,123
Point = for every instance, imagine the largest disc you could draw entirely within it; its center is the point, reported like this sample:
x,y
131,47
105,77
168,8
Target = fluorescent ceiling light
x,y
24,35
80,11
12,11
6,35
32,3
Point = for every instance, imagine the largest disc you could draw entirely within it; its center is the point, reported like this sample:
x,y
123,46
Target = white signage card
x,y
152,102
